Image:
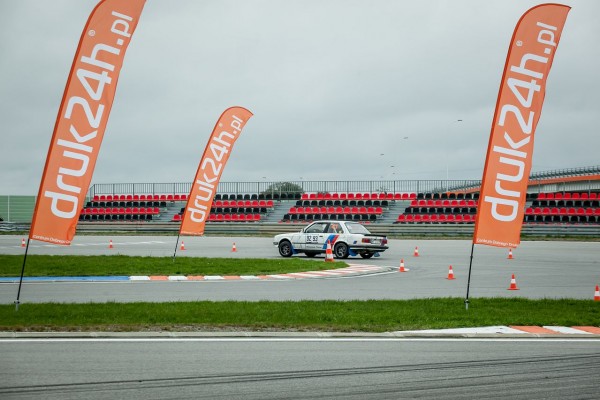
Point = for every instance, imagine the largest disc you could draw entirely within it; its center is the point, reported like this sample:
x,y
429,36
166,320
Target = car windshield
x,y
357,228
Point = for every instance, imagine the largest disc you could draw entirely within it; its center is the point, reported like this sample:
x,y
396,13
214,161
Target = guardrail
x,y
270,229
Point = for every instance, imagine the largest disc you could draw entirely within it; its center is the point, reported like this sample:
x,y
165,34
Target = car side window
x,y
335,228
316,228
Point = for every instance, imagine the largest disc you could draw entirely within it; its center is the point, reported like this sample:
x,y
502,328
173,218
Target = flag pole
x,y
469,278
17,302
176,244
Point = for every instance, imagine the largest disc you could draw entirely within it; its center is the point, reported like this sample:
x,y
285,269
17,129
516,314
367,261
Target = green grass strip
x,y
44,265
337,316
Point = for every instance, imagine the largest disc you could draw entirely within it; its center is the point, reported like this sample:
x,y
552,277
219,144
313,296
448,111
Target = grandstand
x,y
566,197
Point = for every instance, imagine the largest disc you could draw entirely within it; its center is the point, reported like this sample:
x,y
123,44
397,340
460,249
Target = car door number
x,y
312,238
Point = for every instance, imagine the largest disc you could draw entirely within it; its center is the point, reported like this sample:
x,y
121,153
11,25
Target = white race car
x,y
346,239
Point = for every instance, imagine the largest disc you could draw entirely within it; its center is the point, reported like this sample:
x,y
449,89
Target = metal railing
x,y
278,187
592,170
348,186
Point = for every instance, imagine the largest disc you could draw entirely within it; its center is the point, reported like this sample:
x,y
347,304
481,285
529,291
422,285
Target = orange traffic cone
x,y
402,269
22,242
510,256
110,245
450,273
182,247
328,253
233,248
597,294
513,283
416,254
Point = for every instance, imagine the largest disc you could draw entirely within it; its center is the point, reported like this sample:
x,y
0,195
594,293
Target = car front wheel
x,y
285,248
341,250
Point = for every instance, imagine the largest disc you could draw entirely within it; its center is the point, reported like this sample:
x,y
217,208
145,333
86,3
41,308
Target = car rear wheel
x,y
366,255
341,250
285,248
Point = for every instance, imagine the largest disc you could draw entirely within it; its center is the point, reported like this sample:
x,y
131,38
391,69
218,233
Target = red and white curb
x,y
353,269
512,330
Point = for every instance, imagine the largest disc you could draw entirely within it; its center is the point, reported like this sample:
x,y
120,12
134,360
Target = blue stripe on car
x,y
331,239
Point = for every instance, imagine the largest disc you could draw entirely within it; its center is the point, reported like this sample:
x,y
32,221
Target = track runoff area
x,y
409,269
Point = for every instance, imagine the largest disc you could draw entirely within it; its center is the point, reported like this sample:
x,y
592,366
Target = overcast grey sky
x,y
340,89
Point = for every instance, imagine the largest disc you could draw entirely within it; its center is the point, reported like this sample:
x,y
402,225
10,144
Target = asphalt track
x,y
542,270
299,368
